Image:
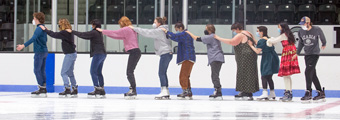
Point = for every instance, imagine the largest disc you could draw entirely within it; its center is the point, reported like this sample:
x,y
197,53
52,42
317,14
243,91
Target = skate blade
x,y
163,98
100,96
64,96
130,97
272,99
286,100
319,101
306,101
39,95
184,98
244,99
74,96
262,99
215,99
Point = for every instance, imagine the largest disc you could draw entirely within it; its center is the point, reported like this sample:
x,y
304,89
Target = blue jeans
x,y
163,67
39,67
67,69
96,70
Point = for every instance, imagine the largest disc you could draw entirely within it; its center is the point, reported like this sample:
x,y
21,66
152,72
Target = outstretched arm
x,y
234,41
115,34
150,33
192,35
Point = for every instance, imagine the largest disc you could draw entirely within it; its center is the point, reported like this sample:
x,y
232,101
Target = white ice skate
x,y
164,95
271,95
264,96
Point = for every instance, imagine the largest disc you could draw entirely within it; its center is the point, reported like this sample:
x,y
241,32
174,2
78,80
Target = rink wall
x,y
17,74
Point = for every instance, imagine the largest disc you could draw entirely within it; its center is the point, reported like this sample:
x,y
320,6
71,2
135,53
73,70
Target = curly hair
x,y
64,24
124,21
40,17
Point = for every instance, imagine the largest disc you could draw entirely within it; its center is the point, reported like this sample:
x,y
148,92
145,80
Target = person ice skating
x,y
98,54
185,56
270,63
215,57
288,65
246,60
309,37
130,40
163,49
39,40
69,50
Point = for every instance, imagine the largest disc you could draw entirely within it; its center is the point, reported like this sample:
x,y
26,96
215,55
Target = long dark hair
x,y
264,30
285,29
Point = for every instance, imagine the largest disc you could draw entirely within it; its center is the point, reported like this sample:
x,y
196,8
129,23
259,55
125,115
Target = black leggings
x,y
267,79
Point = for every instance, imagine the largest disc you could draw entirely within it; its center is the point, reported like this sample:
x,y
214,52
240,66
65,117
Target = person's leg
x,y
134,57
163,67
270,82
43,68
70,71
315,78
309,71
215,73
288,82
67,63
99,71
94,67
264,82
185,74
38,63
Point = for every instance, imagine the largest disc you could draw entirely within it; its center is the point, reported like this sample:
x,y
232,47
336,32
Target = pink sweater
x,y
126,34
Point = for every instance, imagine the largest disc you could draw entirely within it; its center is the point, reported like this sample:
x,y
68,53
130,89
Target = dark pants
x,y
267,79
96,70
184,76
215,73
310,72
39,67
134,56
163,68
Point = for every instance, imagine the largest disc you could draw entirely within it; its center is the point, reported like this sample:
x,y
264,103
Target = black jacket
x,y
67,43
96,41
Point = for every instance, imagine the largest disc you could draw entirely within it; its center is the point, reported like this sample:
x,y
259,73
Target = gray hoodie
x,y
162,44
310,40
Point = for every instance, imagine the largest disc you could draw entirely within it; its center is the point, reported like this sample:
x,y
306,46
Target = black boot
x,y
186,94
74,92
95,93
131,94
240,95
320,97
308,95
41,92
66,92
288,96
217,94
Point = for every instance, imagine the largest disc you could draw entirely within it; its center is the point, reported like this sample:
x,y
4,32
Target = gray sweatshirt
x,y
310,40
162,44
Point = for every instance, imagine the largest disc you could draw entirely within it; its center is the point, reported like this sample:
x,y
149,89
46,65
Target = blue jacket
x,y
39,39
186,49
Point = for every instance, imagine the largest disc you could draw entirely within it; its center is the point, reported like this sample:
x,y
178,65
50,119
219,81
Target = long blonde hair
x,y
64,24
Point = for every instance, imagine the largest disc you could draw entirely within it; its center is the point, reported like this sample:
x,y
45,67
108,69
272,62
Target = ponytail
x,y
160,20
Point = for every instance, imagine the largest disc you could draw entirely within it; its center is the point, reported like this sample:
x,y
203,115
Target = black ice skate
x,y
217,95
288,96
243,96
132,94
97,93
186,95
164,95
321,97
74,92
65,93
307,98
41,92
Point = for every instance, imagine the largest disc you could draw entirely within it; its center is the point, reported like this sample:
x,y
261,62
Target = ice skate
x,y
40,93
264,96
97,93
164,95
271,95
132,94
288,96
307,98
217,95
74,92
321,97
186,95
65,93
243,96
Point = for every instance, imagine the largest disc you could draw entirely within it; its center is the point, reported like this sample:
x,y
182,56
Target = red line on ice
x,y
315,110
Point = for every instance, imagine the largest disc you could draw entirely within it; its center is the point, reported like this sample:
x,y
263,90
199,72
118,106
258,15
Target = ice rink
x,y
18,106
